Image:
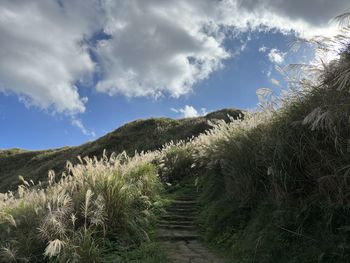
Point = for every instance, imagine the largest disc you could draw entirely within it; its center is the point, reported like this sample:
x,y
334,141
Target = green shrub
x,y
176,162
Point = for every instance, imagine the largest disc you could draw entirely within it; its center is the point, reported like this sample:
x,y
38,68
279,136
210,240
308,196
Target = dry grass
x,y
282,174
278,182
114,196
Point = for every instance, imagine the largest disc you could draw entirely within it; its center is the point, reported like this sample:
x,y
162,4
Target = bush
x,y
176,162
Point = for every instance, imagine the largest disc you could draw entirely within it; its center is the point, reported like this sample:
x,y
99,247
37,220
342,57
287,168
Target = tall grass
x,y
282,174
175,161
275,185
68,220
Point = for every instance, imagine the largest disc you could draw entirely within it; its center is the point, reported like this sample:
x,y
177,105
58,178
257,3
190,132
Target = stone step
x,y
182,214
183,202
181,206
176,222
187,198
177,226
180,210
176,235
170,216
193,207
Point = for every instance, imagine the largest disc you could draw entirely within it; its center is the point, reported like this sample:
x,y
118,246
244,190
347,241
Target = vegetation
x,y
74,219
140,135
275,185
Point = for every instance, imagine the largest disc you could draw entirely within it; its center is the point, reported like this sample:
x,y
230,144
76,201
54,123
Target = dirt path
x,y
177,233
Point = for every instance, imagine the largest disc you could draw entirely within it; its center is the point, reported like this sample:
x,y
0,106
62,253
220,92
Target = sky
x,y
74,70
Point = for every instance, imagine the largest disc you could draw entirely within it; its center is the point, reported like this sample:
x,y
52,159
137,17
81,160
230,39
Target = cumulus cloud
x,y
306,18
313,13
158,47
41,51
189,111
153,47
276,56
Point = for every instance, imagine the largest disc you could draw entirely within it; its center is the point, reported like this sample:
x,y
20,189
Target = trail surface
x,y
177,233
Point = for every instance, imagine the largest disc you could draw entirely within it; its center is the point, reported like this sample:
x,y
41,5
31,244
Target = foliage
x,y
139,135
282,174
147,252
69,220
175,162
275,186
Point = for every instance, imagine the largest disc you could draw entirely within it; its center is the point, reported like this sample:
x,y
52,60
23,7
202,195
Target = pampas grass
x,y
291,153
67,219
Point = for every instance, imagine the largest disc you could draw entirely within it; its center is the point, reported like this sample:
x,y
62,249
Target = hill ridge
x,y
137,135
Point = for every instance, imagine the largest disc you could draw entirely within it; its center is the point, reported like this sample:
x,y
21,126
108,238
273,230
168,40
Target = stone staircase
x,y
178,223
177,231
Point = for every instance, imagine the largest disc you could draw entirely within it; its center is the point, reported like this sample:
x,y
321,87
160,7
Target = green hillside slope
x,y
140,135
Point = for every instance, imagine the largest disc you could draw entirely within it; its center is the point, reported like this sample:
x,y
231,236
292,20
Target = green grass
x,y
148,252
72,219
139,135
276,185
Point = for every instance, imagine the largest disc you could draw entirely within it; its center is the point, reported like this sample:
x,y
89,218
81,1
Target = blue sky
x,y
34,115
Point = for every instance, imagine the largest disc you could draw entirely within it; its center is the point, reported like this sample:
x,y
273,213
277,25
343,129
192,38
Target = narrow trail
x,y
177,232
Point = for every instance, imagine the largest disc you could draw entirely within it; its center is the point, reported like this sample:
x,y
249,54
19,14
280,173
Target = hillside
x,y
272,187
140,135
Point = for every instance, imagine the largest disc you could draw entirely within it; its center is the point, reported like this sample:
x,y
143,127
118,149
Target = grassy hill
x,y
140,135
274,187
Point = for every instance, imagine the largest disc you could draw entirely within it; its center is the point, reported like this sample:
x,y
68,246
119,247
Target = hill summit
x,y
139,135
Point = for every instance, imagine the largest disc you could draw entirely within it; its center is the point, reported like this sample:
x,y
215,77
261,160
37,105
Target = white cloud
x,y
156,47
306,18
41,50
263,49
276,56
79,124
189,111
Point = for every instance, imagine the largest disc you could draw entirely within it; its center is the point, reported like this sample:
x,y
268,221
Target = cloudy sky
x,y
72,70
